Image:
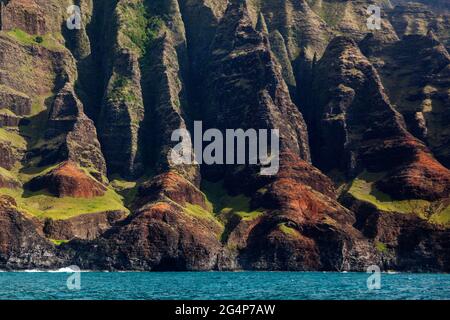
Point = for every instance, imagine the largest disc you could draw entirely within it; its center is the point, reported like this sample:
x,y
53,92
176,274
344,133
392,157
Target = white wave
x,y
62,270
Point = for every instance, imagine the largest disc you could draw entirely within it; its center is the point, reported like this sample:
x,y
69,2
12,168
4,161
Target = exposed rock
x,y
278,47
23,14
14,101
137,70
416,74
21,246
8,119
173,186
414,18
415,180
402,238
9,156
242,64
8,181
68,123
167,101
121,115
86,226
368,133
305,229
157,237
68,180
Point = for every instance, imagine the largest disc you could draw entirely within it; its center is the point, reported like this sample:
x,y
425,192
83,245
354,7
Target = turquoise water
x,y
222,286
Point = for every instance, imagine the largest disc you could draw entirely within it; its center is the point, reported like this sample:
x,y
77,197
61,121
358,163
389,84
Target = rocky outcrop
x,y
306,229
121,116
8,119
414,18
23,14
402,238
167,106
21,246
173,231
86,226
68,180
369,134
172,186
241,62
72,135
415,72
157,237
10,154
16,102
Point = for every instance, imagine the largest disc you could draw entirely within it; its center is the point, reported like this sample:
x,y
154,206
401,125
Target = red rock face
x,y
376,105
302,223
157,237
353,104
173,186
423,178
68,180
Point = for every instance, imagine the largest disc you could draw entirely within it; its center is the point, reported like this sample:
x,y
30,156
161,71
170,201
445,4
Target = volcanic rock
x,y
68,180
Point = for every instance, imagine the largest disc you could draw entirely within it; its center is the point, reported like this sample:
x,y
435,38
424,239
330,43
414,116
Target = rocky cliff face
x,y
87,116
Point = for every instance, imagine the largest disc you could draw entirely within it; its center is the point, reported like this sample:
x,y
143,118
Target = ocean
x,y
219,286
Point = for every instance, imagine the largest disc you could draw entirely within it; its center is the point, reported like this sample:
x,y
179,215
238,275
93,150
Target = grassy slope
x,y
222,202
49,41
43,205
363,188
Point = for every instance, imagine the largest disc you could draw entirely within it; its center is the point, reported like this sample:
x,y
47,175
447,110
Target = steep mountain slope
x,y
87,116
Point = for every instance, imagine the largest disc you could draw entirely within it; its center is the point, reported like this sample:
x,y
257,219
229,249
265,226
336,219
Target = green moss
x,y
8,175
44,205
288,230
138,27
123,90
363,188
442,216
223,203
58,242
198,211
7,112
127,189
381,247
13,137
48,41
28,173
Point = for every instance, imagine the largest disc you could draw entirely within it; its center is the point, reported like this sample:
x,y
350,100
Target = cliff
x,y
87,116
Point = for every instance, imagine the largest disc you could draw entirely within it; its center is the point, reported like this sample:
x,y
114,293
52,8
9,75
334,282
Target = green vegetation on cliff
x,y
363,188
44,205
224,203
13,137
288,230
138,27
49,41
58,242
